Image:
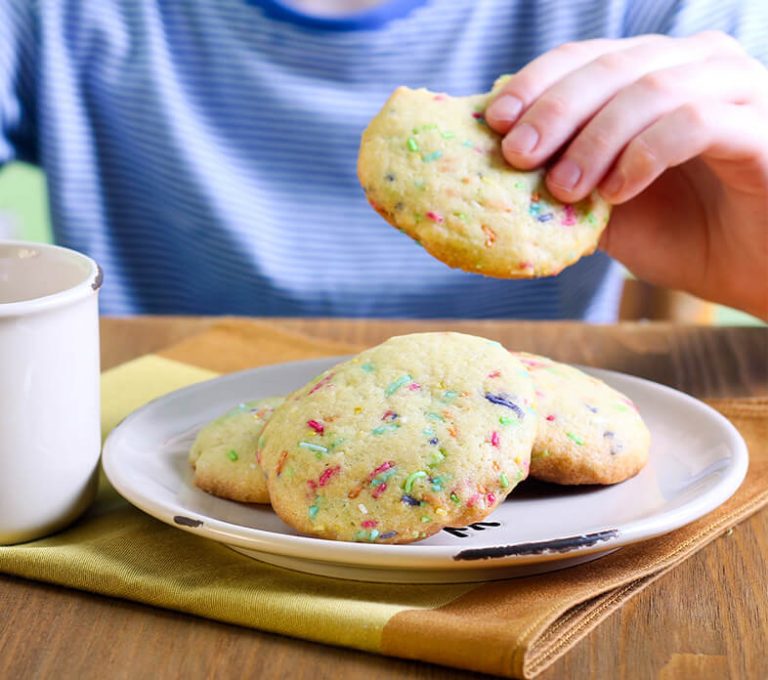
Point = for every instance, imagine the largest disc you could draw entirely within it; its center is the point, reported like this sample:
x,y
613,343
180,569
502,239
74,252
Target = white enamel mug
x,y
49,388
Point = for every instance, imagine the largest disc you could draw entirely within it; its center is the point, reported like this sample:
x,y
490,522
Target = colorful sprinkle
x,y
379,490
503,400
426,518
435,416
321,383
397,384
317,448
495,439
435,216
317,426
281,463
325,477
434,441
494,374
490,234
388,535
313,511
412,144
545,218
506,420
388,427
362,508
409,500
408,484
414,386
388,465
369,523
575,438
437,458
374,534
503,480
383,477
449,395
491,499
429,157
570,215
455,498
368,367
389,415
550,417
232,455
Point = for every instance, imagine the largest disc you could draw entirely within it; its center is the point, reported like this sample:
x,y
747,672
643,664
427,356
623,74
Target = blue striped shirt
x,y
204,151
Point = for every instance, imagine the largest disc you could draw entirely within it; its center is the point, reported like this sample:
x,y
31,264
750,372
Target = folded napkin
x,y
514,628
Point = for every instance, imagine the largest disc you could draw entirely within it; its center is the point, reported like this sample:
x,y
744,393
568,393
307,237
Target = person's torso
x,y
205,152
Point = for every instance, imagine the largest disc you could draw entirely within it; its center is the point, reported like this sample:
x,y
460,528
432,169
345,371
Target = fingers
x,y
597,146
551,120
534,79
722,131
530,82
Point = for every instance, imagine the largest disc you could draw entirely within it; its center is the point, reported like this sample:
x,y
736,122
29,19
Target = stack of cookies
x,y
419,433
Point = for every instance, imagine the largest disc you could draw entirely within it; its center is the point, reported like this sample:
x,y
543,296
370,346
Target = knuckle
x,y
572,49
693,116
720,40
641,159
596,142
552,107
657,83
614,62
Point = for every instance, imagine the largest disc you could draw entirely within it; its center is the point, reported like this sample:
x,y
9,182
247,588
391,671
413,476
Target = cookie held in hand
x,y
432,167
421,432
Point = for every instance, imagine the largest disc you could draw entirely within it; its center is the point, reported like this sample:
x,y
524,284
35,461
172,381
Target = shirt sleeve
x,y
18,58
745,20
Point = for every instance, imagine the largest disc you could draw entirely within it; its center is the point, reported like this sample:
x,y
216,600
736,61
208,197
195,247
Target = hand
x,y
674,132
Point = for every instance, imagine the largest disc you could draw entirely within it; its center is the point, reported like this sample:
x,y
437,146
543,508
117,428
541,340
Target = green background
x,y
24,215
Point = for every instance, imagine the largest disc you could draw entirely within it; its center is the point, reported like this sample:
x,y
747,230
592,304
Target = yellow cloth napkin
x,y
514,628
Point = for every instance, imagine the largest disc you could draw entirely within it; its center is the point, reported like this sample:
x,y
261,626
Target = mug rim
x,y
88,286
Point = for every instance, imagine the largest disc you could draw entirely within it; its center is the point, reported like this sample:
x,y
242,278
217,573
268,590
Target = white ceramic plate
x,y
697,461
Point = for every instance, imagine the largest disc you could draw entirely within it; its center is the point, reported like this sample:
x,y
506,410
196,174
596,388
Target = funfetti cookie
x,y
224,453
431,166
588,432
424,431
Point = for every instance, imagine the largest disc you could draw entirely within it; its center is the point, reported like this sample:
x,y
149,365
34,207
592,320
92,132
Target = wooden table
x,y
706,619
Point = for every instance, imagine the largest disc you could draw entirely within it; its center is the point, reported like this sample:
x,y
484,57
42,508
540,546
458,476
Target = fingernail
x,y
522,139
565,174
505,109
613,184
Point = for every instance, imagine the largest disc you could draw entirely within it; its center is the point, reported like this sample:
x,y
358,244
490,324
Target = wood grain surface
x,y
708,618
